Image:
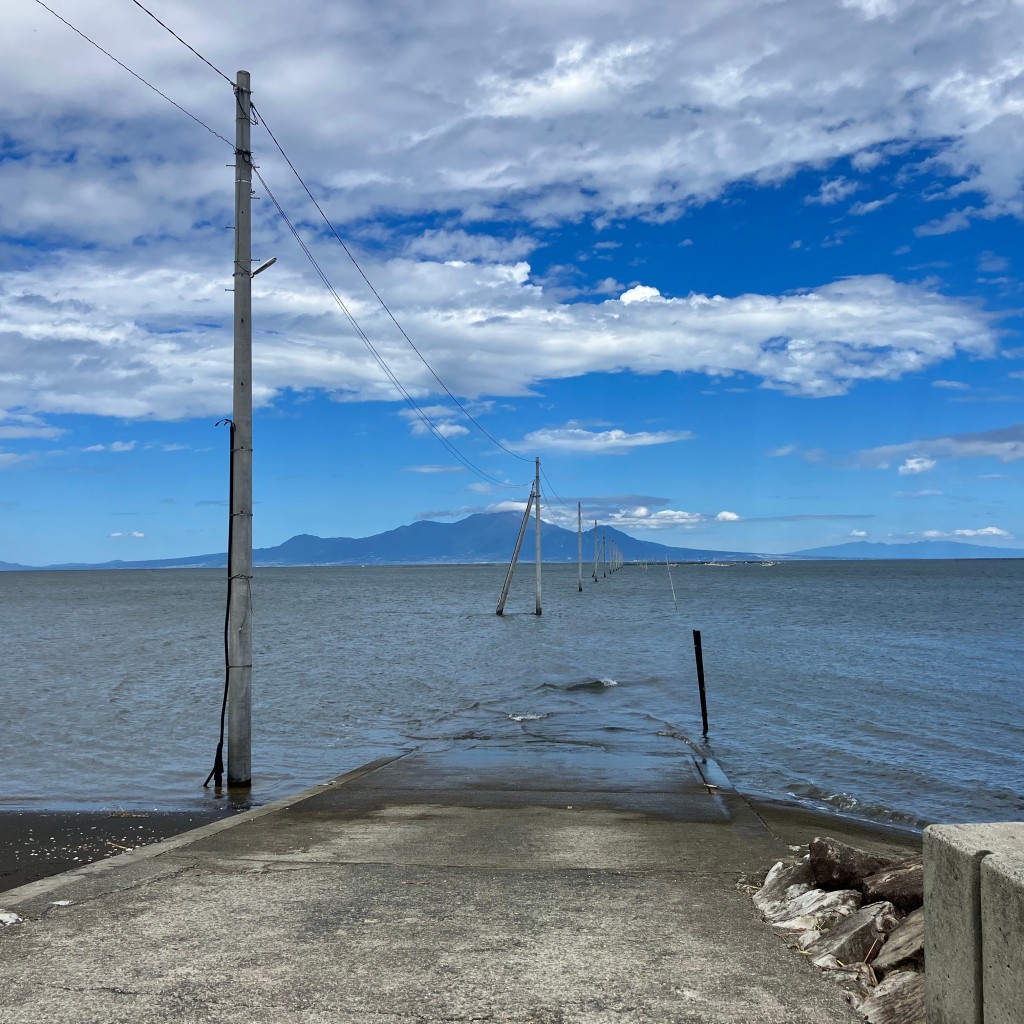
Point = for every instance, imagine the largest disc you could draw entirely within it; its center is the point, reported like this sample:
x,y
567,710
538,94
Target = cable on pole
x,y
183,43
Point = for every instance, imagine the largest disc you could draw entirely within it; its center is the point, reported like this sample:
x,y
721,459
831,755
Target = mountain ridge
x,y
488,538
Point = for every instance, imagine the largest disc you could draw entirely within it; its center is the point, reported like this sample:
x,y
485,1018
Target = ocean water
x,y
890,690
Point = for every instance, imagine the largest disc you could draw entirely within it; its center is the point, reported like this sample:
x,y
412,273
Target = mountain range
x,y
490,537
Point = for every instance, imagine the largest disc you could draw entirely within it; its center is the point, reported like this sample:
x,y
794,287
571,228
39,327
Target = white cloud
x,y
114,446
986,531
779,453
834,191
915,465
727,517
131,535
434,469
951,385
640,293
859,534
859,209
603,442
9,459
1005,444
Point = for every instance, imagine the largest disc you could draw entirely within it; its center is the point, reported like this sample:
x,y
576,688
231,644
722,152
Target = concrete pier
x,y
555,883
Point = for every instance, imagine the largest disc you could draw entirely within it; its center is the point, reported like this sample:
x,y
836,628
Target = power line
x,y
357,327
149,85
183,43
379,298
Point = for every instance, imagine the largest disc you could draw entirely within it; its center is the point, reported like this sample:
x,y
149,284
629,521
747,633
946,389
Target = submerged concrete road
x,y
548,884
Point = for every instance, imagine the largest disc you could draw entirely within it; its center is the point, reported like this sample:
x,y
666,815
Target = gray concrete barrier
x,y
974,923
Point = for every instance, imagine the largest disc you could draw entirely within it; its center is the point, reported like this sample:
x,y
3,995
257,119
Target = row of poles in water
x,y
607,557
611,562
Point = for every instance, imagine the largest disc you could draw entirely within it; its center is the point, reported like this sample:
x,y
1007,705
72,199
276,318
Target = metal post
x,y
700,680
515,558
239,638
536,488
579,541
595,550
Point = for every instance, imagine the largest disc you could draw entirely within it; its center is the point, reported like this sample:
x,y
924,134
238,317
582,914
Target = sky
x,y
744,274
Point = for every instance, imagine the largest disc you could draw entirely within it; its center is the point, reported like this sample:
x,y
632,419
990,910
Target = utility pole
x,y
239,638
515,558
536,491
579,541
595,550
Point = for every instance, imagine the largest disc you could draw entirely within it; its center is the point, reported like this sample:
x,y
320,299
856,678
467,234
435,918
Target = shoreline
x,y
37,844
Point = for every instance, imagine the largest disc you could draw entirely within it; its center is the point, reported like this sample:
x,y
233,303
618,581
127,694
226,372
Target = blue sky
x,y
743,274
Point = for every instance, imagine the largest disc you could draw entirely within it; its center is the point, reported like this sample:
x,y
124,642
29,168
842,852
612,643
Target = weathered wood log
x,y
852,940
817,909
899,999
792,879
902,885
836,865
905,945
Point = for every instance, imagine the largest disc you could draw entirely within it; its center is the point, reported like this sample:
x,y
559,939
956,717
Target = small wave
x,y
593,684
848,804
528,717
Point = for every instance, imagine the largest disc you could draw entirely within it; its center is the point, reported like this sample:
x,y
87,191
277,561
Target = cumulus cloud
x,y
859,534
727,517
603,442
915,465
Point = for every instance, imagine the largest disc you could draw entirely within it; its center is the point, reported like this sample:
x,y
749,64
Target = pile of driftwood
x,y
858,917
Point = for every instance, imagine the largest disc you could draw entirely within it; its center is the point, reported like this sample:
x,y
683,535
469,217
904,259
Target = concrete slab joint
x,y
974,924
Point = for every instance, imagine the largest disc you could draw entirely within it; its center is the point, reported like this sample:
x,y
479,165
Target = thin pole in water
x,y
699,655
675,604
579,541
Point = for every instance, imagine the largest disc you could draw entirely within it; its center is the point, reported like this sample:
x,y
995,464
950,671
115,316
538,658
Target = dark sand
x,y
37,844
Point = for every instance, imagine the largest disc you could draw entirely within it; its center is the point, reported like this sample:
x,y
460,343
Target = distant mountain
x,y
481,538
915,549
490,537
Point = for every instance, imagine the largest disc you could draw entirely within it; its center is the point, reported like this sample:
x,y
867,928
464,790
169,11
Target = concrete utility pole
x,y
536,491
515,558
579,541
239,638
595,550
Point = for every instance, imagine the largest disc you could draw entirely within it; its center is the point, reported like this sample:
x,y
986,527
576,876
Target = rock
x,y
782,878
852,940
904,946
8,917
902,885
899,999
855,979
836,865
815,909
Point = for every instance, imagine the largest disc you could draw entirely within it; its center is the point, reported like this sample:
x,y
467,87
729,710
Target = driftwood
x,y
905,946
836,865
902,885
851,940
897,1000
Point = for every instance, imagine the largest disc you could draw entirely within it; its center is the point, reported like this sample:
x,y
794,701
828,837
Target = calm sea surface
x,y
891,690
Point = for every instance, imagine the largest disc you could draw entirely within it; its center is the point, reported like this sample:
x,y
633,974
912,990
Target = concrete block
x,y
1002,936
953,855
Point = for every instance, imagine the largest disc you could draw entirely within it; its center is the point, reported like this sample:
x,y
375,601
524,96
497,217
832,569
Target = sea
x,y
891,690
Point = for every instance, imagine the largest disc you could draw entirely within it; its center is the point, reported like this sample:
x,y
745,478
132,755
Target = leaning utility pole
x,y
536,491
239,620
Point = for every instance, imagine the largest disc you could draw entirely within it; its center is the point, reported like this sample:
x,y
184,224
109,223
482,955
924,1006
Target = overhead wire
x,y
387,309
357,327
258,119
182,41
134,74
